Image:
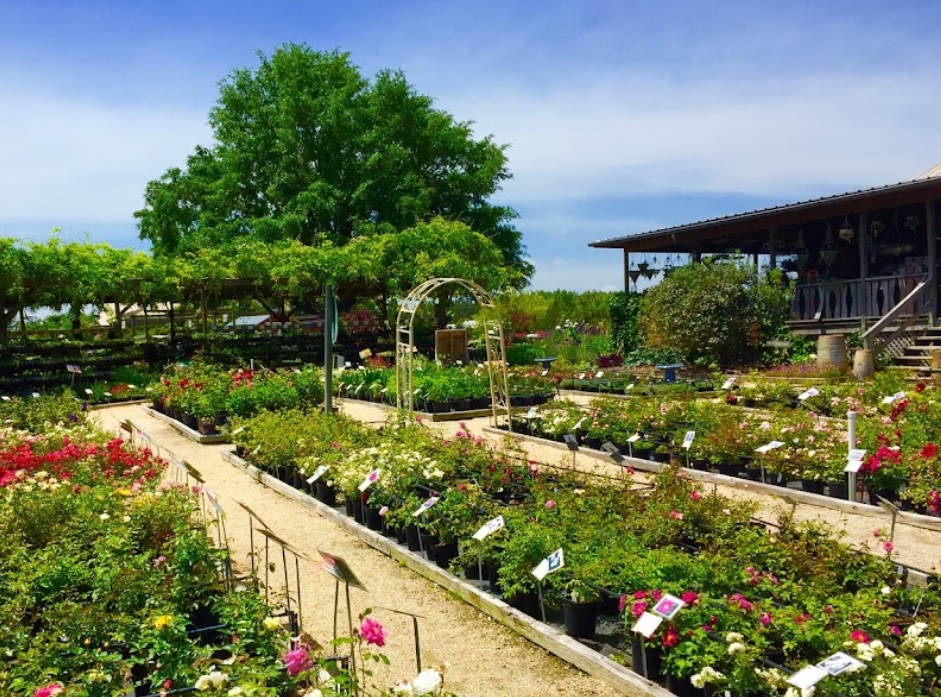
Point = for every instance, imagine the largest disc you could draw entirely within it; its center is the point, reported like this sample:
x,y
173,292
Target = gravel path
x,y
480,656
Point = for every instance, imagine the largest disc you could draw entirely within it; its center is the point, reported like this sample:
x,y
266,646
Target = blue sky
x,y
620,116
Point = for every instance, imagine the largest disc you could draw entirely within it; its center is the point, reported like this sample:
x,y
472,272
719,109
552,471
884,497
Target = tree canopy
x,y
309,151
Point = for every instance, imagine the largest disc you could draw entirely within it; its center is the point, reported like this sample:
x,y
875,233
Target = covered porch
x,y
864,260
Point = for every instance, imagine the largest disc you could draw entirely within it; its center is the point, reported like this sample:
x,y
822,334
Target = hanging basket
x,y
828,256
634,274
643,267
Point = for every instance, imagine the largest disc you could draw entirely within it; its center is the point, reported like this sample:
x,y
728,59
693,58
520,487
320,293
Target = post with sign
x,y
487,529
328,322
851,449
553,562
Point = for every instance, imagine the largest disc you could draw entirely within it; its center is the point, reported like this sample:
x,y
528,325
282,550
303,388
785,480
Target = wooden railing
x,y
893,330
850,299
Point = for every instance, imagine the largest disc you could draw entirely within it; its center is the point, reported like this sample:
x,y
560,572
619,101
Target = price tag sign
x,y
72,368
634,438
532,413
647,624
668,606
490,527
688,439
318,473
807,677
581,376
773,445
629,387
36,395
369,480
857,454
840,663
238,430
425,506
578,424
893,398
853,466
807,394
553,562
365,353
88,392
544,373
383,390
599,374
728,383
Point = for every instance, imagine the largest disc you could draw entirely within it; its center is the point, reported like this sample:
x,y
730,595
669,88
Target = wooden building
x,y
864,259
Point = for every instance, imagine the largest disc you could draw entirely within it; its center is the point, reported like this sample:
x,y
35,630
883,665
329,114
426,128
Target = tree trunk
x,y
442,307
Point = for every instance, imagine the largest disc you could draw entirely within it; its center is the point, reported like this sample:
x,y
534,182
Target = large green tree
x,y
308,149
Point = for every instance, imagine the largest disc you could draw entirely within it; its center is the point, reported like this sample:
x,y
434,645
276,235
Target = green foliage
x,y
717,312
625,311
308,149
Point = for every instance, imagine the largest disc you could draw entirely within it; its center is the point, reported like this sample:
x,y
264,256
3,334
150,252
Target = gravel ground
x,y
480,656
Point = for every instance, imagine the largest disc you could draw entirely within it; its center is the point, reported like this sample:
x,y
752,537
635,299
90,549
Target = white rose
x,y
426,681
203,684
733,637
736,647
218,679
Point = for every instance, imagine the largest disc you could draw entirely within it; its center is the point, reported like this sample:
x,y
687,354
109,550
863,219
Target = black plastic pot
x,y
412,538
443,552
580,619
325,493
373,519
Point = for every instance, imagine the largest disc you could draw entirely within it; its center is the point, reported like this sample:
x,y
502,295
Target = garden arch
x,y
405,346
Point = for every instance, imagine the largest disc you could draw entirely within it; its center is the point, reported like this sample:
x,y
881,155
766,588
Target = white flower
x,y
733,637
886,590
271,624
104,516
426,681
203,684
403,688
237,692
916,629
126,519
736,647
877,646
937,659
314,692
218,679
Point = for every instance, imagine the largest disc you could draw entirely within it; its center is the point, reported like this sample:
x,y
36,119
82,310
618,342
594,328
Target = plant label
x,y
35,395
853,466
297,370
647,624
88,392
839,663
72,368
369,480
581,376
728,383
238,430
688,439
578,424
807,677
543,373
532,413
553,562
857,454
807,394
773,445
417,391
599,374
490,527
365,353
668,606
133,387
107,394
425,506
383,390
634,438
5,398
318,473
358,388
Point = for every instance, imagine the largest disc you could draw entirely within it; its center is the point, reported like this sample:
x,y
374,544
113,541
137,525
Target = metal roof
x,y
790,213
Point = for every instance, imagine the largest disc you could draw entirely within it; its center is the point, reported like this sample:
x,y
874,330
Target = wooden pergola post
x,y
932,232
863,234
627,269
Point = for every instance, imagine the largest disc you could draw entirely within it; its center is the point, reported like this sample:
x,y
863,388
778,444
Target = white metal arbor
x,y
405,346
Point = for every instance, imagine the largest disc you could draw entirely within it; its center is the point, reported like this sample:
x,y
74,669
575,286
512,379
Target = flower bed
x,y
761,601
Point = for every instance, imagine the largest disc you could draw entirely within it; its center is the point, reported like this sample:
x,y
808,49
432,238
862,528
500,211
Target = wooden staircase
x,y
917,356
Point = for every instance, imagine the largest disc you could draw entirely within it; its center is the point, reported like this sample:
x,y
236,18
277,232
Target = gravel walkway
x,y
480,656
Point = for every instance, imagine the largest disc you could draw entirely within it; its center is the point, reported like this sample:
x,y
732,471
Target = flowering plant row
x,y
762,599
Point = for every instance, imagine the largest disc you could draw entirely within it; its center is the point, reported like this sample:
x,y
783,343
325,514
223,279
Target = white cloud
x,y
624,135
80,161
